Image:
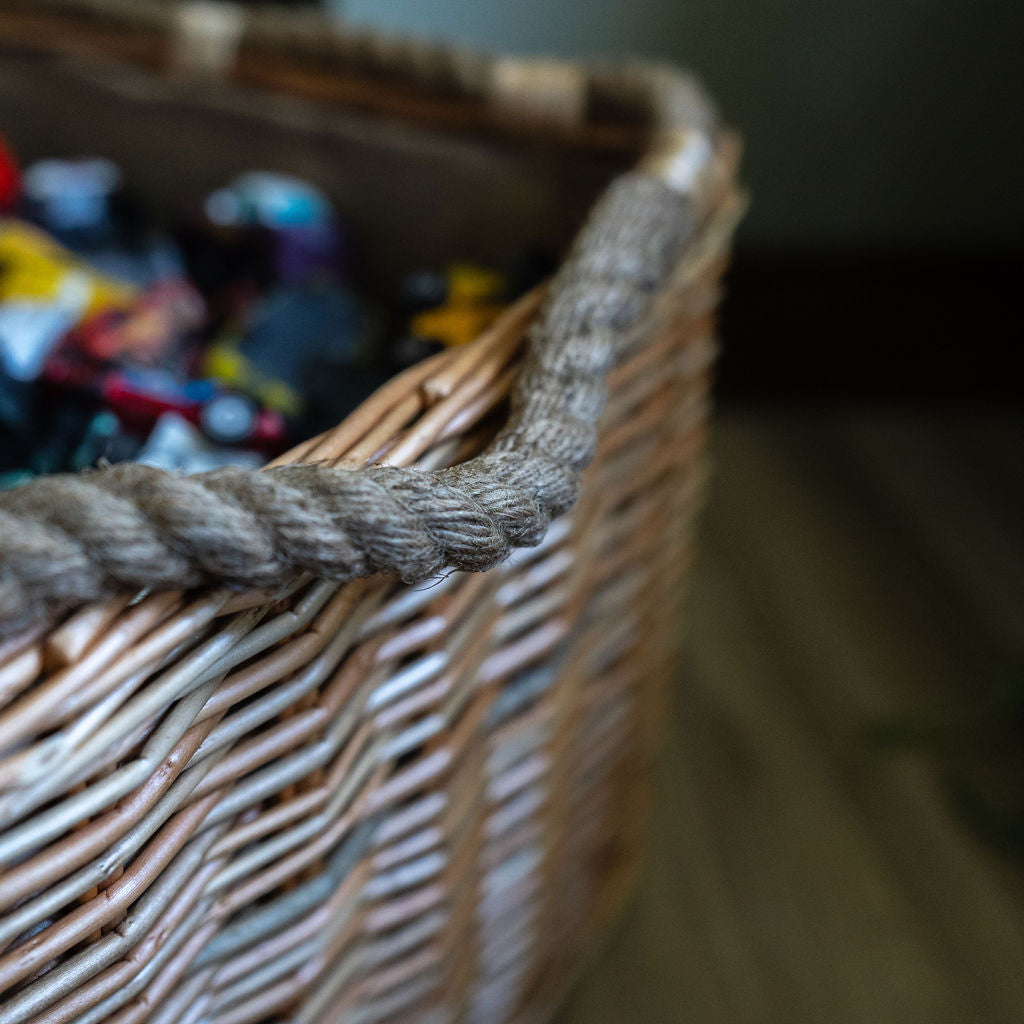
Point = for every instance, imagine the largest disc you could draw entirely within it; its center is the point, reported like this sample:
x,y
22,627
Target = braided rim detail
x,y
69,539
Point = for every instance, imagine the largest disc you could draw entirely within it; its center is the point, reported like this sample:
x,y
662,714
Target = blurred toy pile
x,y
219,341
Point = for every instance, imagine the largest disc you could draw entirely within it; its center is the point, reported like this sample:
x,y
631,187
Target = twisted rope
x,y
69,539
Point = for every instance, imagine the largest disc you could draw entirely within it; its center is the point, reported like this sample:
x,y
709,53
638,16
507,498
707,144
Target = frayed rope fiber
x,y
69,539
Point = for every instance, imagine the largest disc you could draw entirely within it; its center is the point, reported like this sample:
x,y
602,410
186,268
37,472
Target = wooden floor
x,y
854,568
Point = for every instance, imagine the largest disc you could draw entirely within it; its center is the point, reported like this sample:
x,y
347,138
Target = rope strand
x,y
69,539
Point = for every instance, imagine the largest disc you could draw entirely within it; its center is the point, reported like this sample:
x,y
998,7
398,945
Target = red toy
x,y
10,179
227,417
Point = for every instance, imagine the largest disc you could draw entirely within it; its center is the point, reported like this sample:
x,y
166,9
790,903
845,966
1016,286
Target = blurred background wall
x,y
885,144
867,121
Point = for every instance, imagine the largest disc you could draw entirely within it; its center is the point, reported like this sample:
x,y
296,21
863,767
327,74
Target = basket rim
x,y
69,539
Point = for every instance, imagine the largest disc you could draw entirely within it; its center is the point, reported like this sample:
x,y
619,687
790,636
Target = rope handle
x,y
69,539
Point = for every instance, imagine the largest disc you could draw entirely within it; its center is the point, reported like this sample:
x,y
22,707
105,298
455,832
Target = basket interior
x,y
414,194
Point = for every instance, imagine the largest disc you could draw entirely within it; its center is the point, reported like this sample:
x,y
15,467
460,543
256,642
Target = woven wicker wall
x,y
370,801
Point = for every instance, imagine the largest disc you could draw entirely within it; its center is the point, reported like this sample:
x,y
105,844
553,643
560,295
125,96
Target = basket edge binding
x,y
70,539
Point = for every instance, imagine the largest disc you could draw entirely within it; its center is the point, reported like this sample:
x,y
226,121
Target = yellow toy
x,y
36,269
45,291
225,362
471,306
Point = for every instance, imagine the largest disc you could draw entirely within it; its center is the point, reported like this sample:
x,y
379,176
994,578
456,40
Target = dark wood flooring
x,y
861,576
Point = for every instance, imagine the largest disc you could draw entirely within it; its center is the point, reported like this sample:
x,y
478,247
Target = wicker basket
x,y
252,766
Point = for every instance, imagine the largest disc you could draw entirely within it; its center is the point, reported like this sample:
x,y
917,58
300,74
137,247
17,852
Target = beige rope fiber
x,y
68,539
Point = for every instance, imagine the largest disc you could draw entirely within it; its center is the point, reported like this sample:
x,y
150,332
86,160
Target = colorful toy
x,y
45,290
10,179
141,397
262,230
72,198
176,445
291,336
470,298
214,349
104,440
146,333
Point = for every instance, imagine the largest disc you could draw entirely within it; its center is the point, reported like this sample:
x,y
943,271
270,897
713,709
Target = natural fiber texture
x,y
66,540
296,799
